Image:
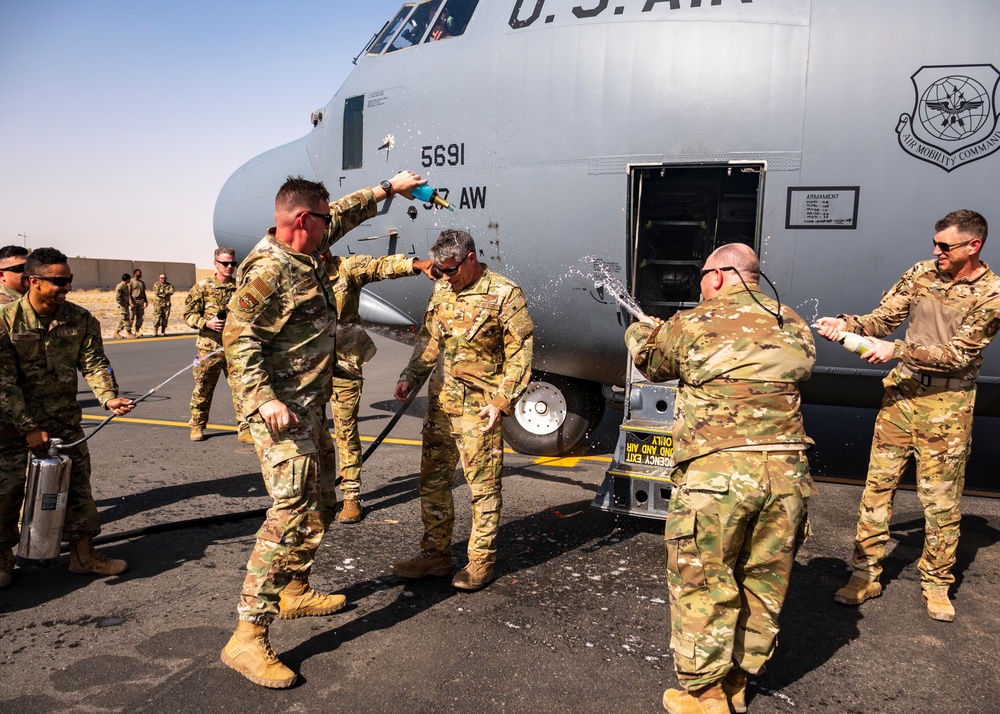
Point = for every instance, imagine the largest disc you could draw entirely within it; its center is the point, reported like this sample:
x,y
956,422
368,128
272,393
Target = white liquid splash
x,y
603,278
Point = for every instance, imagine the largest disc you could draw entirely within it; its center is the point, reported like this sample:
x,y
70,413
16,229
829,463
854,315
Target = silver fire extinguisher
x,y
45,499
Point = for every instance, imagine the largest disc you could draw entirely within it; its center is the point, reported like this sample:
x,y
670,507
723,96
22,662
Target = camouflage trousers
x,y
446,439
138,310
161,315
934,425
293,528
125,319
206,375
734,524
346,398
81,511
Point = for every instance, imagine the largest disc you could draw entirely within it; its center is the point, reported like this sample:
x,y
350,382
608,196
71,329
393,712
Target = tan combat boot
x,y
6,566
858,590
424,565
84,559
197,432
117,335
939,607
474,576
299,600
249,653
244,435
735,687
710,700
350,512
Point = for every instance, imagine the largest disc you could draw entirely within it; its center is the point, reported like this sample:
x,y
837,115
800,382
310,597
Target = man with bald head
x,y
737,512
280,347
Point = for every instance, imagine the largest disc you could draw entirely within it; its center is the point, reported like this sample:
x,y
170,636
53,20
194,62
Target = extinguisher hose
x,y
241,515
151,392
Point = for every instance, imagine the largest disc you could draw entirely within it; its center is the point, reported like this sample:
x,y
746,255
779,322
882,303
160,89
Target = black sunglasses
x,y
945,247
227,263
325,217
13,268
58,282
454,269
706,271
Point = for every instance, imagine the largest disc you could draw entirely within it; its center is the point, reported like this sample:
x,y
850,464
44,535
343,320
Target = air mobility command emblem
x,y
954,116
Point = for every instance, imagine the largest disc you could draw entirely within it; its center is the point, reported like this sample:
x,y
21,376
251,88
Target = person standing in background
x,y
205,310
162,292
137,301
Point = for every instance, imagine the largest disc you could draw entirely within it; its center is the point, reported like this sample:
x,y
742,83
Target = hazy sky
x,y
120,120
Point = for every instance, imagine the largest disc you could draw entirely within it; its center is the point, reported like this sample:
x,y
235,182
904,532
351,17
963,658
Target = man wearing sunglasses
x,y
205,310
738,509
953,304
280,346
477,322
12,259
44,341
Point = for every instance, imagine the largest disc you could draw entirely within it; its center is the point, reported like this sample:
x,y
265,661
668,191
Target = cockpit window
x,y
416,25
391,29
422,21
453,20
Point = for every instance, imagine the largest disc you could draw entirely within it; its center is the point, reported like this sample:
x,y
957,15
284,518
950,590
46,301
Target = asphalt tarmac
x,y
577,620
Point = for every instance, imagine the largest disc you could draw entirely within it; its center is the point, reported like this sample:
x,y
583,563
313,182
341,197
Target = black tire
x,y
561,428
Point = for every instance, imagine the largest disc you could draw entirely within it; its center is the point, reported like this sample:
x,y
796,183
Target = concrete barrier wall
x,y
109,274
85,272
105,274
182,275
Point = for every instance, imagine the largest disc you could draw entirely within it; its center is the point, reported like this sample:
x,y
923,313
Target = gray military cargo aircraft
x,y
632,137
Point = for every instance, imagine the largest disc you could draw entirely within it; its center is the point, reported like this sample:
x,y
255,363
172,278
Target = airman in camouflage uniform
x,y
738,511
477,337
137,301
205,310
12,259
349,274
44,340
953,304
280,346
124,310
162,292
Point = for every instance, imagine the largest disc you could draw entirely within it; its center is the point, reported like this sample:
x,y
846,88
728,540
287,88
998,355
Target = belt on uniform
x,y
930,380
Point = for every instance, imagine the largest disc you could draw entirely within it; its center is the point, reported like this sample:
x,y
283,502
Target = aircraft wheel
x,y
553,415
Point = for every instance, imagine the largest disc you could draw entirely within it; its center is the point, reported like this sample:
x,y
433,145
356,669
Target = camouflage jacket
x,y
484,337
137,291
203,302
162,293
7,295
738,372
280,336
951,321
38,381
121,294
349,274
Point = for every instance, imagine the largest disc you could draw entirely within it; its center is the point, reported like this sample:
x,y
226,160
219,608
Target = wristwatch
x,y
387,187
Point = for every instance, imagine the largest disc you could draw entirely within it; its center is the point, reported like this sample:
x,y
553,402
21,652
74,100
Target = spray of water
x,y
603,278
814,311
